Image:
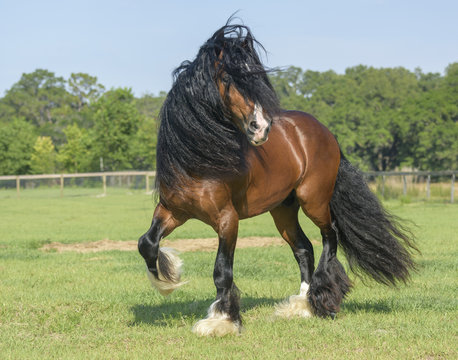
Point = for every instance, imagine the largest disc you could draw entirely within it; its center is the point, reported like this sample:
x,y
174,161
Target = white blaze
x,y
259,136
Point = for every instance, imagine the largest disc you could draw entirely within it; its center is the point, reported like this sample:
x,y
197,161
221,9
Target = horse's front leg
x,y
224,314
163,265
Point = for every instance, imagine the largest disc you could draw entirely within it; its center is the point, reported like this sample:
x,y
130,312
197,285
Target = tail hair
x,y
373,240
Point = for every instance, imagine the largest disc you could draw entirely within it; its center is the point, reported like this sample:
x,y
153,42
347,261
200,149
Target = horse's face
x,y
247,115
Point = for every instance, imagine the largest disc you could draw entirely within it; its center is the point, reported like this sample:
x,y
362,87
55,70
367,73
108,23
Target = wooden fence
x,y
426,174
148,174
61,177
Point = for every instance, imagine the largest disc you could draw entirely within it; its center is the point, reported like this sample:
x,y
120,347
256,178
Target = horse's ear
x,y
219,52
219,56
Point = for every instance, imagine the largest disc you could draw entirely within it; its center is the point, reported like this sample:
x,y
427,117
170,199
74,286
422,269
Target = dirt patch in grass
x,y
180,245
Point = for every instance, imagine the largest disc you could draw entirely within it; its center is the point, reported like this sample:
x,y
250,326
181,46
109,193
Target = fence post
x,y
147,182
428,187
18,187
61,185
452,192
405,185
104,180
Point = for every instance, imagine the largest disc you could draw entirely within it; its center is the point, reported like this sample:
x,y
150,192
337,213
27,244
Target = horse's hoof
x,y
333,315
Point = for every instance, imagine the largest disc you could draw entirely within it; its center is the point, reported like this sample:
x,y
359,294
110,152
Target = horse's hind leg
x,y
224,314
329,282
286,220
163,265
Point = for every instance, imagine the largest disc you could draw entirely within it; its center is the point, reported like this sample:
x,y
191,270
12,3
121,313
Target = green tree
x,y
43,160
362,108
75,155
144,143
42,100
385,92
85,89
17,139
149,105
143,147
116,123
433,121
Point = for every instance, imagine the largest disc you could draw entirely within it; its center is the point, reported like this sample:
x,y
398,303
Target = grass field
x,y
101,306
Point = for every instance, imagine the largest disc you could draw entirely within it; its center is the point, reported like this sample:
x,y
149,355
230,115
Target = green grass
x,y
101,306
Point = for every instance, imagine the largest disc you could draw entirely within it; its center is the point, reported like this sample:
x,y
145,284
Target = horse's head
x,y
244,112
248,97
217,102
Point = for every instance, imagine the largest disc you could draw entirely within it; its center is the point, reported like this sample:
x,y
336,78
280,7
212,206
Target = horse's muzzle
x,y
259,137
257,130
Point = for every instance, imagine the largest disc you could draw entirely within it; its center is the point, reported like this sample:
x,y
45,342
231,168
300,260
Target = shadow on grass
x,y
416,302
376,307
164,314
169,311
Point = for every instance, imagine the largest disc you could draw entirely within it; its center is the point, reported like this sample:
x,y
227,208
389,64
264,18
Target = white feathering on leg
x,y
164,286
296,305
216,324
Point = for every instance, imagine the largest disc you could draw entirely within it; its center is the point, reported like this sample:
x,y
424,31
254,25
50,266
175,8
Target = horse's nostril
x,y
254,125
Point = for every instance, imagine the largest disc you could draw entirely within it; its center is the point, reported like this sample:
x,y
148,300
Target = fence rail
x,y
61,177
427,175
413,173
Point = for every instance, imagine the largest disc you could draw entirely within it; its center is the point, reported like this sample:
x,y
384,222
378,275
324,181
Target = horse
x,y
226,151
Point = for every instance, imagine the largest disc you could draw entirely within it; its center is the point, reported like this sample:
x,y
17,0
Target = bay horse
x,y
226,152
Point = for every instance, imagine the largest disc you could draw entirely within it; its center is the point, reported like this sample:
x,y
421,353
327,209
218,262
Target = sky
x,y
137,44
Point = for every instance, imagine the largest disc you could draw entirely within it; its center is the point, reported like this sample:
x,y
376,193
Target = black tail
x,y
372,239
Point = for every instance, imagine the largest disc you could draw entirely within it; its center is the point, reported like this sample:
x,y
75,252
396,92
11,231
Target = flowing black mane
x,y
196,137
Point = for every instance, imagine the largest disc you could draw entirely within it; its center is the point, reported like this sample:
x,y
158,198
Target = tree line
x,y
50,124
384,119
